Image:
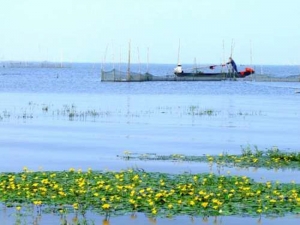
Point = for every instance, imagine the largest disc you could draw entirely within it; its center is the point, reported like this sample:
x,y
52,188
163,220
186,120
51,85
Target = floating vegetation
x,y
155,194
196,111
192,110
45,108
271,158
5,114
73,113
67,111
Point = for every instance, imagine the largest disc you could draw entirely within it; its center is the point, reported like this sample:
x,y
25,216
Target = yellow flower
x,y
105,206
259,210
105,222
75,205
154,211
150,202
37,202
61,193
158,195
136,177
202,193
132,201
204,204
18,208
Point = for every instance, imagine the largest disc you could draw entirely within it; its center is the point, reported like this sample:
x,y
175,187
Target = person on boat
x,y
178,69
233,65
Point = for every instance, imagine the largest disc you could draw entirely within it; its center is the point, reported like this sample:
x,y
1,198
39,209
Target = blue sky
x,y
91,30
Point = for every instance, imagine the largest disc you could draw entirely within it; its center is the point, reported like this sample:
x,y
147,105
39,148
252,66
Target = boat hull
x,y
199,74
213,75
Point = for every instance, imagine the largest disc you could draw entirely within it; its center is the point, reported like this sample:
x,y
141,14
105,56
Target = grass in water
x,y
271,158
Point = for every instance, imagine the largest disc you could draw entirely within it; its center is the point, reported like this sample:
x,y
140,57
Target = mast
x,y
178,57
113,55
104,58
138,52
148,60
223,55
231,53
128,68
250,53
120,60
232,47
251,58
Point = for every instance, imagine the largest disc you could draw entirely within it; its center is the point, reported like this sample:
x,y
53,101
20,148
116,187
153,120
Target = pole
x,y
178,58
128,68
148,60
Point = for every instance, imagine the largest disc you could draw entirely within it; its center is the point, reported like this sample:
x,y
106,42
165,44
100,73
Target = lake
x,y
58,118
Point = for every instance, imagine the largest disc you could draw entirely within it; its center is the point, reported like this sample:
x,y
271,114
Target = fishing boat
x,y
179,72
200,73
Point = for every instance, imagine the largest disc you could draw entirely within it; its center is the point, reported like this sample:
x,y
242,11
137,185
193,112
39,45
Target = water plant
x,y
72,112
45,108
272,158
155,194
6,114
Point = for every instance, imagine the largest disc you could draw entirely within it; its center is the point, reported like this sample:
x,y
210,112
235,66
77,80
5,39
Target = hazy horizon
x,y
255,32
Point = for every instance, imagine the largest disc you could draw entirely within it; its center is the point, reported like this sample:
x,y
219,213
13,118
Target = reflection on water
x,y
10,216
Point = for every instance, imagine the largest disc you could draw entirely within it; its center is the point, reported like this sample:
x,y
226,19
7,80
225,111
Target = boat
x,y
179,72
199,75
201,72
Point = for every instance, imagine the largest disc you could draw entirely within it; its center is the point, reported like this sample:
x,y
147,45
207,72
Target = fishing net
x,y
117,75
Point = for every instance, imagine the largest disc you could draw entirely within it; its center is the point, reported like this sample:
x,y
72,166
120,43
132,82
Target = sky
x,y
207,31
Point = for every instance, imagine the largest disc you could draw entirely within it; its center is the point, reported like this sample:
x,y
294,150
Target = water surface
x,y
55,119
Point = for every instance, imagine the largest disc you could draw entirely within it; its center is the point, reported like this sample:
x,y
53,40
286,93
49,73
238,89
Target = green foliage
x,y
155,194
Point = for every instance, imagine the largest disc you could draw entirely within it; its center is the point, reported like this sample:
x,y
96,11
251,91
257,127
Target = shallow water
x,y
150,117
162,124
9,216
